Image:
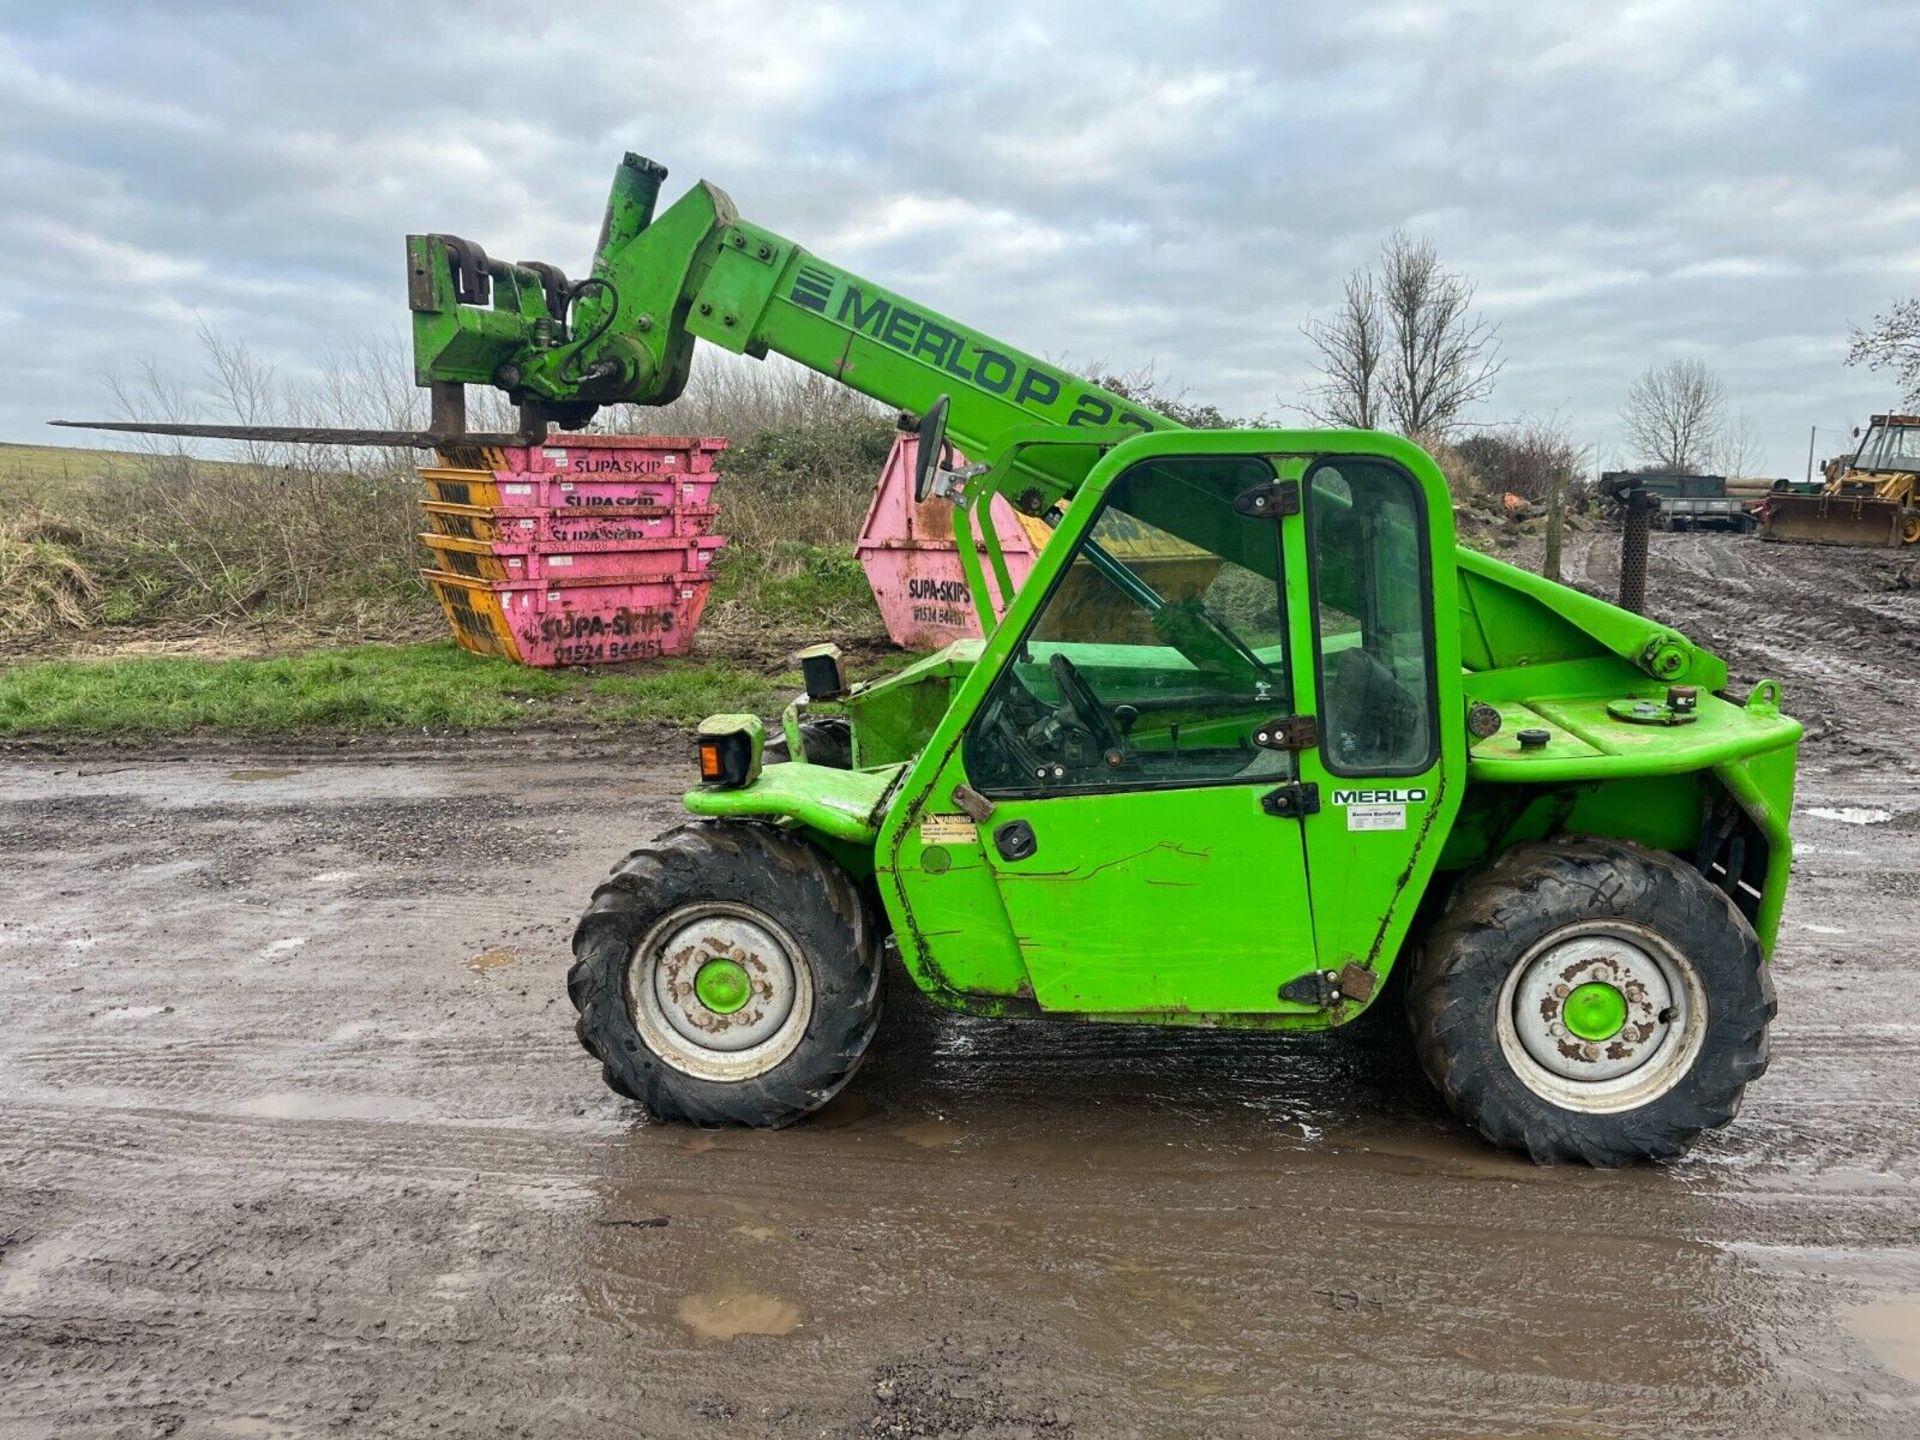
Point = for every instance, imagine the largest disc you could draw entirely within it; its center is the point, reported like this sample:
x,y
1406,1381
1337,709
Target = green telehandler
x,y
1254,735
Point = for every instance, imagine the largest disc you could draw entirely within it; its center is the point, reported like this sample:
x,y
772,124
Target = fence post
x,y
1556,524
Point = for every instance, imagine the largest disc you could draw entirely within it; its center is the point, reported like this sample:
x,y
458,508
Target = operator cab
x,y
1222,676
1890,446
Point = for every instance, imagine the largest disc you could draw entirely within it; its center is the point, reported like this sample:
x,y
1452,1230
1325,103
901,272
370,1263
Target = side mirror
x,y
932,456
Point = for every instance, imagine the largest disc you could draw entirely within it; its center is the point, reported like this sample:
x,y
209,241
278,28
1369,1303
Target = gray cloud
x,y
1627,182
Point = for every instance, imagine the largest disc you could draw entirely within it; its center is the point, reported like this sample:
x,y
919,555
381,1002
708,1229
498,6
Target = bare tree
x,y
1441,358
1674,415
1544,447
1352,350
1739,451
1404,347
1892,342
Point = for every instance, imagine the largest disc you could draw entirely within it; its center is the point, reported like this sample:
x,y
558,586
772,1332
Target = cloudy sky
x,y
1176,184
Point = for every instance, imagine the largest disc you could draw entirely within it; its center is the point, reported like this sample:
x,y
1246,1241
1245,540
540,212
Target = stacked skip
x,y
588,550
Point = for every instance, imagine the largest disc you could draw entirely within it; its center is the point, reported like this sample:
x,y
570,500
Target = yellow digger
x,y
1870,498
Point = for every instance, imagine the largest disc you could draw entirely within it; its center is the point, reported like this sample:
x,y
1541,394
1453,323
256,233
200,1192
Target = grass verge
x,y
364,689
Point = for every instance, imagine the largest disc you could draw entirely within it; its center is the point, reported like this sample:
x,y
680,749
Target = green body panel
x,y
892,720
1762,785
1123,909
1512,619
841,804
1187,904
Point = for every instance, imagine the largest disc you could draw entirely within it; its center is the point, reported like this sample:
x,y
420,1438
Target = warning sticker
x,y
1376,817
948,830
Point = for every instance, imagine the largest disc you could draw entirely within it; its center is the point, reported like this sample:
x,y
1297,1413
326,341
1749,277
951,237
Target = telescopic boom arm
x,y
698,271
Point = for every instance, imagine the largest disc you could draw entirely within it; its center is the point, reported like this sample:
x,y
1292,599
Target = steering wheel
x,y
1094,717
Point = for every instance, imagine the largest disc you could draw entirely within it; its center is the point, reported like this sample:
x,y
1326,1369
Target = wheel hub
x,y
723,985
1595,1010
720,991
1601,1017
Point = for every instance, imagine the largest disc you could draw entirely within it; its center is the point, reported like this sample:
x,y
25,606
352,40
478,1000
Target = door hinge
x,y
1323,989
1269,501
1289,732
1292,802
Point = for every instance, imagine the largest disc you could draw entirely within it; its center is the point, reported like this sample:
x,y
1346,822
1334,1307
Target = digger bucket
x,y
1834,520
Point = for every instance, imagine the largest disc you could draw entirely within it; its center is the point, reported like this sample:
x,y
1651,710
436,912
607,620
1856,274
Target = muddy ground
x,y
297,1141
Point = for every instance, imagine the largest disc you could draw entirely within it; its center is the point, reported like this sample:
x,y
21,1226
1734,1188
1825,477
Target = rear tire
x,y
727,974
1678,993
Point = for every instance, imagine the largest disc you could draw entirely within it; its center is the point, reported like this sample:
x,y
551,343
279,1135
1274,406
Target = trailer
x,y
1691,502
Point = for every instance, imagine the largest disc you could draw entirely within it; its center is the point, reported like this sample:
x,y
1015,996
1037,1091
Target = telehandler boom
x,y
1317,748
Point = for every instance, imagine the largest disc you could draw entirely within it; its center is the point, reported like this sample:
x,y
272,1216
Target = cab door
x,y
1138,754
1375,672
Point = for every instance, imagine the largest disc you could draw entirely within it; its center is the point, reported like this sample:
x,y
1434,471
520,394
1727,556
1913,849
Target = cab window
x,y
1367,536
1159,652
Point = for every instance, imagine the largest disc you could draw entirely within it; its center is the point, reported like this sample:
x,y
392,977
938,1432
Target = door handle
x,y
1015,840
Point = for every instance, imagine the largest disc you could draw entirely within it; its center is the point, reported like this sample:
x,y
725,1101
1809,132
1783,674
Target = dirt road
x,y
297,1141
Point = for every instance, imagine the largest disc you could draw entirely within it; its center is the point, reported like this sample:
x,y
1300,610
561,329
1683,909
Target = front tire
x,y
727,974
1591,1000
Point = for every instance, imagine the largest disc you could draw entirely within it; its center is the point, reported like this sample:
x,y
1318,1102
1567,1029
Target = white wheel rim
x,y
710,1044
1665,1007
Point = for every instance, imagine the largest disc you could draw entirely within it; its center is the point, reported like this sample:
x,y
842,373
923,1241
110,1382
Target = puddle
x,y
729,1311
1448,1153
930,1134
131,1012
845,1108
1850,814
495,958
260,774
1891,1329
317,1105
